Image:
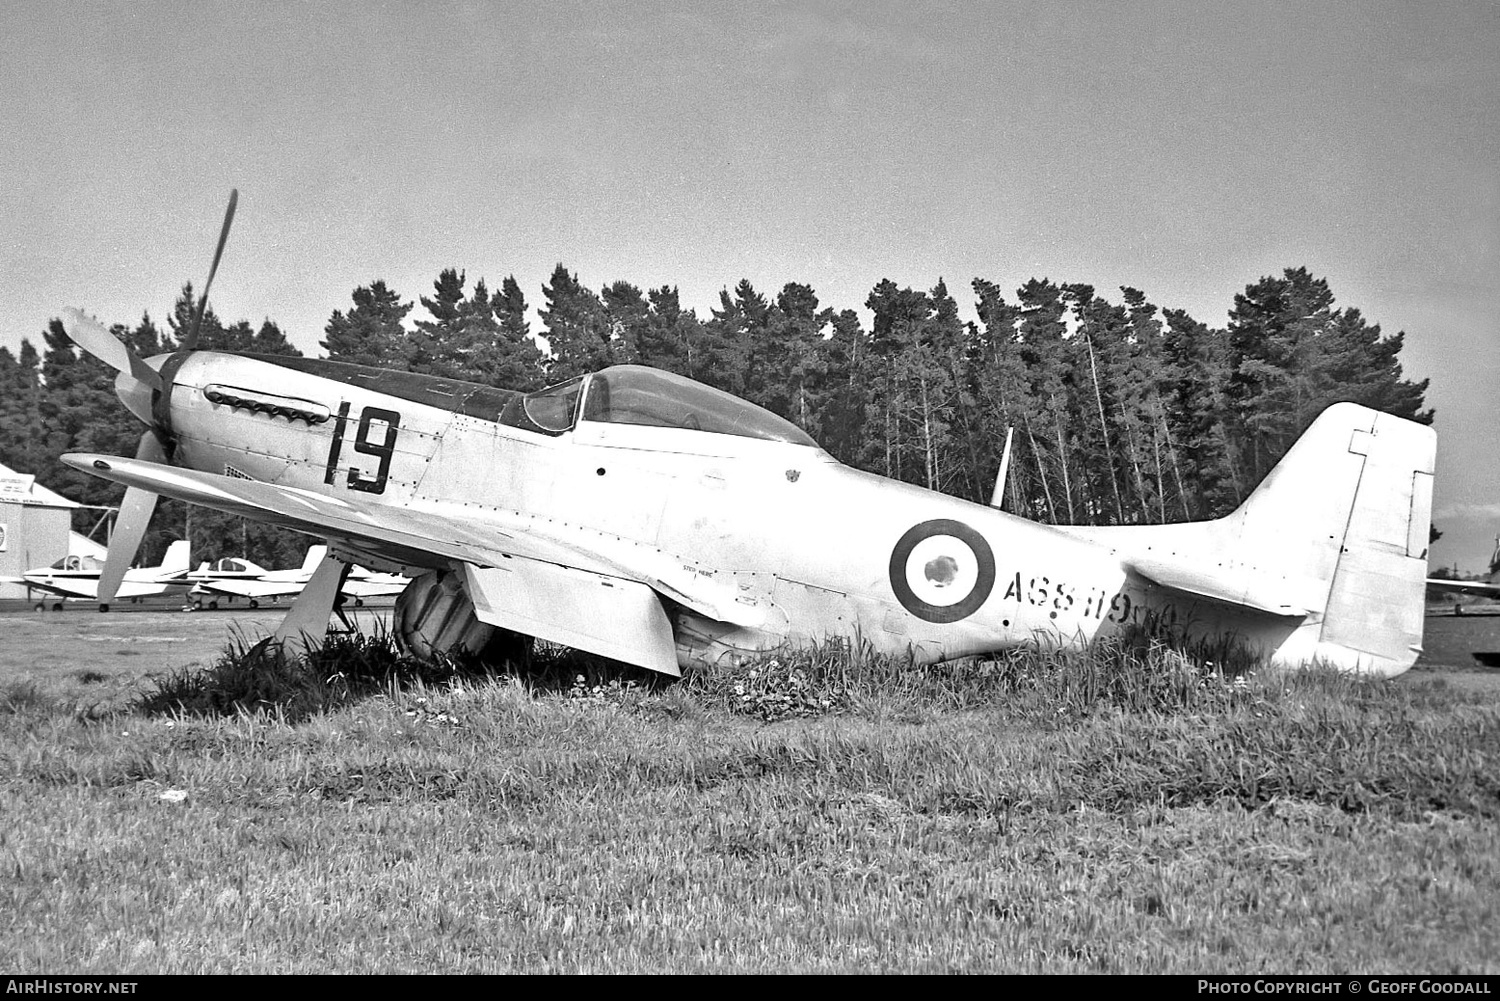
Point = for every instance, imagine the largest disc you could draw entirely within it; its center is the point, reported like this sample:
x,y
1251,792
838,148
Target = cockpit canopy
x,y
635,394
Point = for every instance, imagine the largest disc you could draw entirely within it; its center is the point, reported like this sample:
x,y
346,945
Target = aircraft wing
x,y
524,546
249,588
63,588
413,537
374,588
1476,587
88,587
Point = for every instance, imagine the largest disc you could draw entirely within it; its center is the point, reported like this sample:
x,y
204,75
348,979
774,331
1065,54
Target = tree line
x,y
1121,412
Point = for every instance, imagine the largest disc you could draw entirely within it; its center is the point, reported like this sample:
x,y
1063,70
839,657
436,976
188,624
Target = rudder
x,y
1349,507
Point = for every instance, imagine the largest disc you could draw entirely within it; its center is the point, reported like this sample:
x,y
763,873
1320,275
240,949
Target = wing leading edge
x,y
508,560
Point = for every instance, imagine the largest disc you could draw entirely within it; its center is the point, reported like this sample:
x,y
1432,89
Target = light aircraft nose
x,y
135,394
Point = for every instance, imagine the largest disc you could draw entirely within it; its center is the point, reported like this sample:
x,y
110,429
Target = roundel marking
x,y
942,570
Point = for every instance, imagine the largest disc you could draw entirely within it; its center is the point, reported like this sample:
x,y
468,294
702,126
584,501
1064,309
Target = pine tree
x,y
578,328
727,351
434,348
789,360
672,338
372,332
211,333
517,362
628,314
846,379
1292,354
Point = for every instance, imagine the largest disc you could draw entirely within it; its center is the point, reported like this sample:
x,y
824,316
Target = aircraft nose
x,y
135,394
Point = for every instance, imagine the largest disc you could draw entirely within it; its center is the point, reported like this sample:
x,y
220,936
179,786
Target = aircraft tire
x,y
41,606
214,605
103,606
57,606
254,603
197,604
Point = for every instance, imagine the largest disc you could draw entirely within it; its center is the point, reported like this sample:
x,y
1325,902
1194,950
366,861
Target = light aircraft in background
x,y
238,578
78,577
642,516
230,571
1488,587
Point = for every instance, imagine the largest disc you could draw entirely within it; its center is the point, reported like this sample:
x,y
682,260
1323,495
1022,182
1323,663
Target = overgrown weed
x,y
1054,687
257,676
23,696
266,676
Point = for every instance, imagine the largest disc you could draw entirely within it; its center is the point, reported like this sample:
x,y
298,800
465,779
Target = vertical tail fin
x,y
1345,515
178,556
1325,562
314,556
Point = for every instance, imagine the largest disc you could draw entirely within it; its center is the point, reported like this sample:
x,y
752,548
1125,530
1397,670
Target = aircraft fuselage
x,y
814,548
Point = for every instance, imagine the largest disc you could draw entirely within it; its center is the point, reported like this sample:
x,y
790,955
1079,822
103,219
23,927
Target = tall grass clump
x,y
253,676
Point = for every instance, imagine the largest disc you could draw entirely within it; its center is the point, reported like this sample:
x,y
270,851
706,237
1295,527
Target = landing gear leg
x,y
307,620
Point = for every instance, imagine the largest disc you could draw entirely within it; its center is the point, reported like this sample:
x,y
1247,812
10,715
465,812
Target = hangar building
x,y
35,525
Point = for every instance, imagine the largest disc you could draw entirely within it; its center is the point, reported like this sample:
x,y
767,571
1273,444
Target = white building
x,y
35,528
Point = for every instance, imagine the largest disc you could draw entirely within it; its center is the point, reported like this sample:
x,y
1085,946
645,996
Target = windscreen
x,y
633,394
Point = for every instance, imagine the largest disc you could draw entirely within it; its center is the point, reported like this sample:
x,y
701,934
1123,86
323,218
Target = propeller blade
x,y
92,336
130,525
192,338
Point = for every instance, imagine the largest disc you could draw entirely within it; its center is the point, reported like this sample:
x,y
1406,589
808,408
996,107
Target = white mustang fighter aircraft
x,y
642,516
79,577
236,578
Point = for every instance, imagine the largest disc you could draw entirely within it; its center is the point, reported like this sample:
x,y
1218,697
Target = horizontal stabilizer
x,y
1196,579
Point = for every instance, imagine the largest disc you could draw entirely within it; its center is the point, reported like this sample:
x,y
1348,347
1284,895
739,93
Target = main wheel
x,y
103,606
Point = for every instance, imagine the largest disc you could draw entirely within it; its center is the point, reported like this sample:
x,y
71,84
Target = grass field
x,y
823,814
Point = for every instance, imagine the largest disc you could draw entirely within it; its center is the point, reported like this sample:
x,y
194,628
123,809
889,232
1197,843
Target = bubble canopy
x,y
635,394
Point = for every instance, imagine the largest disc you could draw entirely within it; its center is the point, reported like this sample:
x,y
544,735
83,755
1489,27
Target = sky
x,y
1181,148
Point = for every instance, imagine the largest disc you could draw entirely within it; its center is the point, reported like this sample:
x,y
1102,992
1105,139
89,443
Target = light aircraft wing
x,y
383,586
64,588
250,588
422,538
88,587
1476,587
